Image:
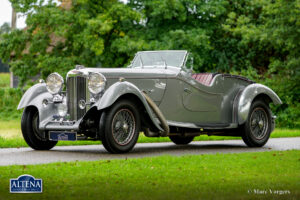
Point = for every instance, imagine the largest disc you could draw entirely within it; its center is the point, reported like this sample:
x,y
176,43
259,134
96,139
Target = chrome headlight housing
x,y
96,83
54,83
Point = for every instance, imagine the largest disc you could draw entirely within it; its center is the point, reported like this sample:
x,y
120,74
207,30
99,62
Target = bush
x,y
289,117
9,100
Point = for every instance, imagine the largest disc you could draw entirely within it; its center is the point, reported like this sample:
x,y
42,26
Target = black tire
x,y
257,129
33,137
122,118
181,140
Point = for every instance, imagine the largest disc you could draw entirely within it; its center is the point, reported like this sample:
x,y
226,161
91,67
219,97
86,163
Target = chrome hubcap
x,y
259,123
123,126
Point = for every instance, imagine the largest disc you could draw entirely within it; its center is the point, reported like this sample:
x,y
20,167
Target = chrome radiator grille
x,y
76,90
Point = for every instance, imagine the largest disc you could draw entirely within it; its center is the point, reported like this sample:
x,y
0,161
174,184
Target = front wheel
x,y
32,135
120,126
257,128
181,140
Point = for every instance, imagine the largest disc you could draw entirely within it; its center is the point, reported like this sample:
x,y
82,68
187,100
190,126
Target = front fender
x,y
247,97
118,89
34,96
31,94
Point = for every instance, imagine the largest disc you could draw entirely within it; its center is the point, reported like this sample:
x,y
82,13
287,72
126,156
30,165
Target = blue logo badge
x,y
26,184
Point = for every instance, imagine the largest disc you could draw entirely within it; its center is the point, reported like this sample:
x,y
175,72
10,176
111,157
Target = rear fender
x,y
247,97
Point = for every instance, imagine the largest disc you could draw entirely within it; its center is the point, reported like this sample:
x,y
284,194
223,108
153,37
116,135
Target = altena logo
x,y
26,184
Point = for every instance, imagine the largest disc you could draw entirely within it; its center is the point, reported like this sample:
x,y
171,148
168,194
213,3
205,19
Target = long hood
x,y
129,72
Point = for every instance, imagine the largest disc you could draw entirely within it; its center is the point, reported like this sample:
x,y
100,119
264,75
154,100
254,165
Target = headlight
x,y
54,83
96,83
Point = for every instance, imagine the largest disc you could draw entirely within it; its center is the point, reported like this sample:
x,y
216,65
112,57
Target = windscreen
x,y
159,58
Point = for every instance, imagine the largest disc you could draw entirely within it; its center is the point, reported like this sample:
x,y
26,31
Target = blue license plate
x,y
62,135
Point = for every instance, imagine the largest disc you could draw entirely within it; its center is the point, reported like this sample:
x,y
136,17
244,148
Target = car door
x,y
203,105
198,100
185,100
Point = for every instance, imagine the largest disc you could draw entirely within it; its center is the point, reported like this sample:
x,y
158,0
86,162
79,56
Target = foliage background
x,y
259,39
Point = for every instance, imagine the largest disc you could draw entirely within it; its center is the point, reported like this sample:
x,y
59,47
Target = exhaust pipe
x,y
160,117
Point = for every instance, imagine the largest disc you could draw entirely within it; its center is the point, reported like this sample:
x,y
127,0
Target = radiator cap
x,y
79,67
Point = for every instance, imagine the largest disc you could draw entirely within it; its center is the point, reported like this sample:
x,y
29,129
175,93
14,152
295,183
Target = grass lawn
x,y
11,136
219,176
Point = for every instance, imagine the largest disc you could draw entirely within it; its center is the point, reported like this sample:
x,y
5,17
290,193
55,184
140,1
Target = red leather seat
x,y
203,78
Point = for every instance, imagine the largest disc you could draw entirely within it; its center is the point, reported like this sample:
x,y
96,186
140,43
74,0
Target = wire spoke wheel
x,y
257,129
119,126
259,123
123,126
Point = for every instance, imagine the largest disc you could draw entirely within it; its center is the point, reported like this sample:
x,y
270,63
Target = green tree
x,y
267,40
179,24
56,39
5,28
256,38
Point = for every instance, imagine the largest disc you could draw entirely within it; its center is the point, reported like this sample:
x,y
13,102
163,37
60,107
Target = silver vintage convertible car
x,y
157,94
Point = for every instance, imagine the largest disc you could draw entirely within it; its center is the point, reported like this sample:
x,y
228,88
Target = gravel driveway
x,y
25,156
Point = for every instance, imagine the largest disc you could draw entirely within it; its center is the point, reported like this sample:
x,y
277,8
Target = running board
x,y
203,126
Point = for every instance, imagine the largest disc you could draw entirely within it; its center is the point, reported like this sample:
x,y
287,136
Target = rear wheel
x,y
181,140
257,128
120,126
32,135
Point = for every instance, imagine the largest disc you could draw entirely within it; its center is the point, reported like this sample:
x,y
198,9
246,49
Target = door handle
x,y
148,91
187,90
